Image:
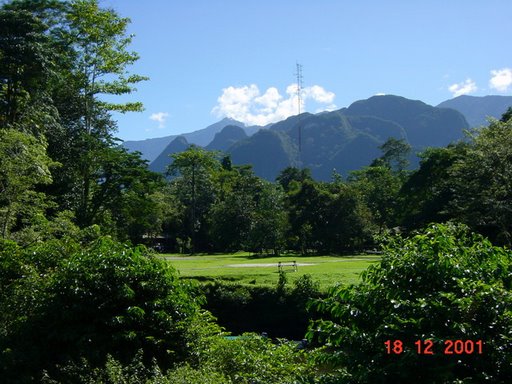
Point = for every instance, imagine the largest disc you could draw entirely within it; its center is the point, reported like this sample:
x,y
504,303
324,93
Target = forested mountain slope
x,y
348,139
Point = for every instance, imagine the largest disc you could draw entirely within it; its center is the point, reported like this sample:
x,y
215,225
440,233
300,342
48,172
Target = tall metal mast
x,y
299,101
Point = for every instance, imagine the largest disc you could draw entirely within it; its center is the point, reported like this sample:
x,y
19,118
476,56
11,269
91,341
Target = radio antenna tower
x,y
299,86
299,101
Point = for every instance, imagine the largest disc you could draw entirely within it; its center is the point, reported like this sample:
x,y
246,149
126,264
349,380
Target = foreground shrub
x,y
257,360
442,284
105,299
249,359
136,372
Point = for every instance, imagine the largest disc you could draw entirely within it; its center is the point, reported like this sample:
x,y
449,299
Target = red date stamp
x,y
427,347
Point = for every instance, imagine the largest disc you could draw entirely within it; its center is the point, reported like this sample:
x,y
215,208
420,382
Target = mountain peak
x,y
388,101
230,121
179,144
224,139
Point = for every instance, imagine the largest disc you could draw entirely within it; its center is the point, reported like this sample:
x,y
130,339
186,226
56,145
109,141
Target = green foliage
x,y
99,42
194,188
269,223
256,359
380,187
395,153
428,193
25,67
507,115
290,175
248,212
23,165
279,310
125,193
281,283
468,182
57,61
327,217
136,372
232,215
441,284
249,359
185,374
63,182
484,182
63,303
305,288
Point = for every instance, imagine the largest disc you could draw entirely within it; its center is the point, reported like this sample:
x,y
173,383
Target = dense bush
x,y
249,359
442,284
136,372
257,360
61,304
279,311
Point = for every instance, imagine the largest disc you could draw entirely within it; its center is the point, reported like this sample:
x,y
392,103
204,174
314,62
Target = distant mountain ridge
x,y
478,109
151,148
342,140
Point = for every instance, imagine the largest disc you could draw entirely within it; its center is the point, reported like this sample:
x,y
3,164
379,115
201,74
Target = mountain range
x,y
342,140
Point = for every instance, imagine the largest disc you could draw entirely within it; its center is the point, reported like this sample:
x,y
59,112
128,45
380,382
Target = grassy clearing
x,y
246,268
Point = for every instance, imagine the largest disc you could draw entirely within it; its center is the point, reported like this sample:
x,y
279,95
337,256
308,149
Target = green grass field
x,y
246,268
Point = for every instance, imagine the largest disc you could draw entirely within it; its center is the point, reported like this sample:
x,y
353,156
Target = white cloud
x,y
464,88
269,101
248,105
501,79
319,94
160,117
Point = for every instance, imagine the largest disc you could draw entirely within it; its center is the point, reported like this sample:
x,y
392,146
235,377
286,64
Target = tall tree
x,y
100,58
122,198
507,115
379,187
349,219
232,214
395,153
270,220
194,169
429,193
307,210
57,62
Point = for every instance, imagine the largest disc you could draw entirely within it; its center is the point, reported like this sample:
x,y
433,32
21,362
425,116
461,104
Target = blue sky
x,y
211,59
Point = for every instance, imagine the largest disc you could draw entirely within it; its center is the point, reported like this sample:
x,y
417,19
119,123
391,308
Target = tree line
x,y
222,207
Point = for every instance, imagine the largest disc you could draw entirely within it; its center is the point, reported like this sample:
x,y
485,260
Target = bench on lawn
x,y
281,265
